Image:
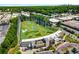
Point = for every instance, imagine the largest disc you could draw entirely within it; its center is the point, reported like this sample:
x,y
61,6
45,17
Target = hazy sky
x,y
38,2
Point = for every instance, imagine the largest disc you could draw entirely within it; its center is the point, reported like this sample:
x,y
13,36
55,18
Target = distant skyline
x,y
32,4
37,2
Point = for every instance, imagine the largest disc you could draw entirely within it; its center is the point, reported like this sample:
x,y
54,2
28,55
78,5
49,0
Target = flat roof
x,y
65,18
53,20
73,23
68,17
6,18
44,52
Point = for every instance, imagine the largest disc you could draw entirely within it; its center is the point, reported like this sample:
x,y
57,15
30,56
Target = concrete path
x,y
53,36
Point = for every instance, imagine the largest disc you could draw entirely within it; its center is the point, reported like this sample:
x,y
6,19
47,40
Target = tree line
x,y
40,19
11,39
47,10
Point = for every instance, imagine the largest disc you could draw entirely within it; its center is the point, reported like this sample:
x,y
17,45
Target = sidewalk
x,y
53,35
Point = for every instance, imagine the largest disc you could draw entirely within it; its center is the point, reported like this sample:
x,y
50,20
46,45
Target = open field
x,y
30,29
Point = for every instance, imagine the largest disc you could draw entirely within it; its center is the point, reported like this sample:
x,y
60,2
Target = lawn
x,y
29,29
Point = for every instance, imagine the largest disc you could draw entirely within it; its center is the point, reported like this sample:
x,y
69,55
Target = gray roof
x,y
24,44
73,23
44,52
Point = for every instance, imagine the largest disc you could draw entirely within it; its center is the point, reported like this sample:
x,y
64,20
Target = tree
x,y
11,37
5,44
74,50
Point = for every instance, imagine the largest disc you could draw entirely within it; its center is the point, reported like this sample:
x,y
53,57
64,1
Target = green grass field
x,y
30,29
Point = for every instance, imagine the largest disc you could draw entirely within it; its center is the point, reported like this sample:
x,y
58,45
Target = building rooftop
x,y
15,15
5,18
53,20
73,23
44,52
68,17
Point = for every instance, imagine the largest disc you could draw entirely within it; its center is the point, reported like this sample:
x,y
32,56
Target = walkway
x,y
53,36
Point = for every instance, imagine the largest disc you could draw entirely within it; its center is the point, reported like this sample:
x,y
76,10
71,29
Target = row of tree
x,y
47,10
40,19
10,40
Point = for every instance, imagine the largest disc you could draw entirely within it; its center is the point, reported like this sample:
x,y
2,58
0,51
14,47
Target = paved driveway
x,y
3,32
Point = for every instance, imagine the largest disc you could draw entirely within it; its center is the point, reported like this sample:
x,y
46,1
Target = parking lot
x,y
3,32
4,20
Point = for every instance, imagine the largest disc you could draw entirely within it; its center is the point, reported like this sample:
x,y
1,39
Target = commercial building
x,y
71,26
53,21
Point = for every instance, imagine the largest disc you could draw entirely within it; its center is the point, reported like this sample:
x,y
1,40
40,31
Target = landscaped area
x,y
72,40
30,29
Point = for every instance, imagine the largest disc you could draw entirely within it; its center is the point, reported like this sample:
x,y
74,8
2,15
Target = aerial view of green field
x,y
32,30
39,29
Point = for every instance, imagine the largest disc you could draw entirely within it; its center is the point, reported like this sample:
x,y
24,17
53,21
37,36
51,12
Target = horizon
x,y
34,5
37,2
